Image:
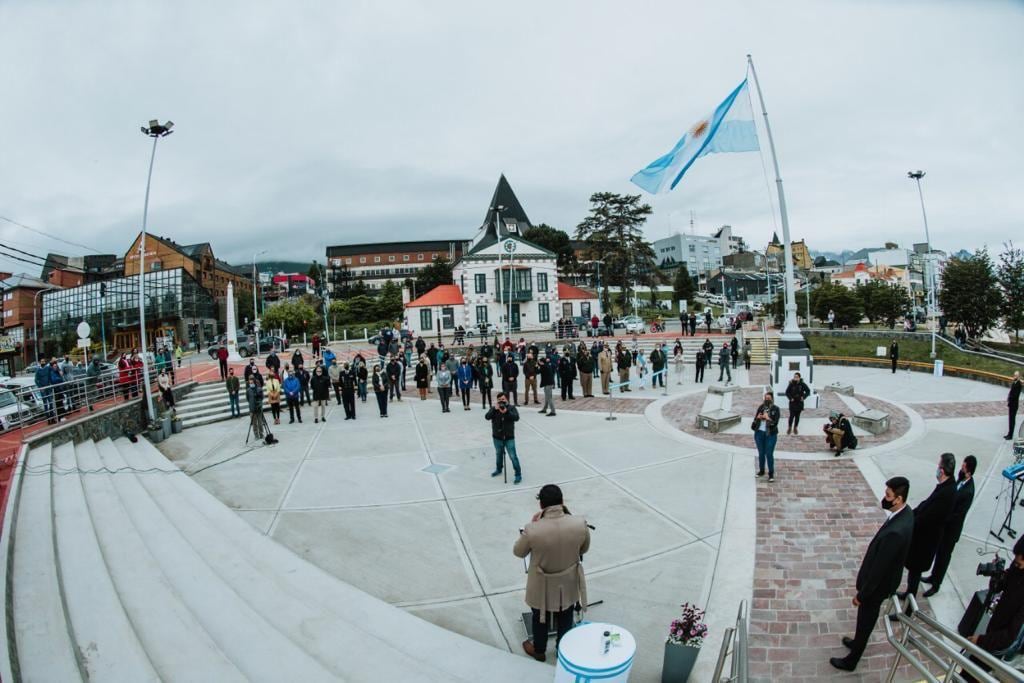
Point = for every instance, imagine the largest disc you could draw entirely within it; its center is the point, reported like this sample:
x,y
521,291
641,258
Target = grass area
x,y
910,349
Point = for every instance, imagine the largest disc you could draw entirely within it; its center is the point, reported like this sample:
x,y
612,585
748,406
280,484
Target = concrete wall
x,y
108,422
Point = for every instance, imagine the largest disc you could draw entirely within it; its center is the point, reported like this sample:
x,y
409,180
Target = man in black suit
x,y
951,534
930,519
881,570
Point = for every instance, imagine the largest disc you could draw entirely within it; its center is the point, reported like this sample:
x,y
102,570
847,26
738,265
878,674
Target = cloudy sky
x,y
300,125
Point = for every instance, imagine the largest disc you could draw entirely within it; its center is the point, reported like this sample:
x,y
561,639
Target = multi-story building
x,y
502,279
801,254
197,260
376,263
21,294
701,253
288,285
71,271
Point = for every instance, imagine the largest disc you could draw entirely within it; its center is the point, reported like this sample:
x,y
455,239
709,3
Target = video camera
x,y
995,570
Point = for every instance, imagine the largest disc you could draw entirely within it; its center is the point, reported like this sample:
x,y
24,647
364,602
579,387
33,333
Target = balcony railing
x,y
517,295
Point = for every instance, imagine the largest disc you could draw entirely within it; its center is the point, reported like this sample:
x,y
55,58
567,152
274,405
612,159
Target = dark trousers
x,y
913,581
275,410
658,379
867,616
294,409
566,388
223,368
794,417
563,622
894,361
699,374
348,399
485,398
746,362
337,392
465,397
445,394
942,557
382,402
1013,420
305,395
511,389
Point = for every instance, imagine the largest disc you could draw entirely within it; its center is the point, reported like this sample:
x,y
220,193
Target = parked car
x,y
634,324
12,411
483,329
247,345
27,398
403,336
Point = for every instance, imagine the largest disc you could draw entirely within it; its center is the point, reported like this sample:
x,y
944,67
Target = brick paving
x,y
601,404
682,412
960,409
813,526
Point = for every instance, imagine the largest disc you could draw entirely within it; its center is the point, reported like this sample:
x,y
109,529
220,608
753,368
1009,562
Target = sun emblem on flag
x,y
698,130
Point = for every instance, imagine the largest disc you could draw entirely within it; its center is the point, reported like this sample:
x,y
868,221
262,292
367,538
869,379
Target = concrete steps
x,y
207,403
119,567
759,353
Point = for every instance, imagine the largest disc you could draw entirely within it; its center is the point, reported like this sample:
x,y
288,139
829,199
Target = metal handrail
x,y
738,671
953,650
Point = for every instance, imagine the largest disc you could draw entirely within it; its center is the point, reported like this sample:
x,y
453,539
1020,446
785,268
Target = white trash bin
x,y
581,656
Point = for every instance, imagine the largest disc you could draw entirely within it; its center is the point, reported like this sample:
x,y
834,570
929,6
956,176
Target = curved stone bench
x,y
118,567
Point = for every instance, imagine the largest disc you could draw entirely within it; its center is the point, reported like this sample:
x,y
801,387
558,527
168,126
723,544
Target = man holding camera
x,y
503,419
881,570
1008,615
556,542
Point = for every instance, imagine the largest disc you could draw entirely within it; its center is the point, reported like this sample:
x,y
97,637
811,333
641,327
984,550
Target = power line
x,y
46,234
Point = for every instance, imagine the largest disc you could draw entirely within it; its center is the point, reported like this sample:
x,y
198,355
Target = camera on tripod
x,y
995,570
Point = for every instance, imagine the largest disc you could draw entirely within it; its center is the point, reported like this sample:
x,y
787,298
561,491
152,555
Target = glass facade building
x,y
177,309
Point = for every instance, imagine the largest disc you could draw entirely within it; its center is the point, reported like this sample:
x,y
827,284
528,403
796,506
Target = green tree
x,y
883,301
613,234
970,293
437,273
315,273
389,302
555,240
840,299
294,317
682,284
1010,274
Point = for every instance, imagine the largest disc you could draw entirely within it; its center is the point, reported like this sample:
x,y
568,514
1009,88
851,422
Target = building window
x,y
362,259
376,259
481,283
448,318
391,259
543,313
419,257
348,261
481,315
426,321
405,257
433,257
542,282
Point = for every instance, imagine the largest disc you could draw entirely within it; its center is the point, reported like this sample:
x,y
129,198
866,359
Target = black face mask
x,y
960,475
887,504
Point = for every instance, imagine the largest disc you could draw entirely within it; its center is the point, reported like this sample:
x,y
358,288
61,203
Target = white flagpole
x,y
790,331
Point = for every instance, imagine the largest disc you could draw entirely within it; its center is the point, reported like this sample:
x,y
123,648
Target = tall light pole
x,y
930,272
324,298
255,309
156,130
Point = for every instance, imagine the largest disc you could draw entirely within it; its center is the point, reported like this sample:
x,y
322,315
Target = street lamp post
x,y
324,296
917,175
156,130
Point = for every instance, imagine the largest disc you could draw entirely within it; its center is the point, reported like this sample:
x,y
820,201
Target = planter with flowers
x,y
685,636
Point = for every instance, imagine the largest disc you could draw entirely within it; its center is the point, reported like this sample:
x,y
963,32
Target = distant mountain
x,y
283,266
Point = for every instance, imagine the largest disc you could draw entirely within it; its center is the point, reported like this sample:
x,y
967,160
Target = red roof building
x,y
567,291
442,295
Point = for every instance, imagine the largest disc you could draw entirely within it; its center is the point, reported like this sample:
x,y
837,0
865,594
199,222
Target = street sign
x,y
83,330
84,342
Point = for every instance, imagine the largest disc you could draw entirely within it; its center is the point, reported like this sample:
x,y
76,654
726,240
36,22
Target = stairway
x,y
759,353
145,576
207,403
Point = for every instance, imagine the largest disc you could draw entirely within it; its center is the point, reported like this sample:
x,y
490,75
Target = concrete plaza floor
x,y
404,507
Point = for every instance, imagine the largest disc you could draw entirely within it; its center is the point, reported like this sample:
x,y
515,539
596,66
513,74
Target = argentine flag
x,y
730,128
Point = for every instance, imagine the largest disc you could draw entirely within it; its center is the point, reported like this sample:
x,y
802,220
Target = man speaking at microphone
x,y
555,541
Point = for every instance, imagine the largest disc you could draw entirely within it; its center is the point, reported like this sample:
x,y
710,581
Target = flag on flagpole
x,y
729,128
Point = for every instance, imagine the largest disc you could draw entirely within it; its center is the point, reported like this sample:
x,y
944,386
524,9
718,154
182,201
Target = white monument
x,y
232,341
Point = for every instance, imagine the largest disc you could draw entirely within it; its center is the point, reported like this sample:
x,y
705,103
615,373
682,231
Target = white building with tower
x,y
501,279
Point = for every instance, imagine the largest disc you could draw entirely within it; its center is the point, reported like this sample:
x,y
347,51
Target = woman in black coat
x,y
320,383
796,392
422,378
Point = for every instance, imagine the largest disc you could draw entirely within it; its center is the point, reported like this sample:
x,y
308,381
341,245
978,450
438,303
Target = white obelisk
x,y
232,327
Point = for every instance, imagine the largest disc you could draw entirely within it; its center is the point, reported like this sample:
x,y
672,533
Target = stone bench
x,y
872,421
840,388
717,420
722,389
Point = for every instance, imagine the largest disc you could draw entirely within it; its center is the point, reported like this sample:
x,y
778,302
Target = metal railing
x,y
734,648
74,397
943,647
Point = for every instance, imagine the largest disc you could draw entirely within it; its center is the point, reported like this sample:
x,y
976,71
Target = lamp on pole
x,y
324,296
155,130
255,309
917,175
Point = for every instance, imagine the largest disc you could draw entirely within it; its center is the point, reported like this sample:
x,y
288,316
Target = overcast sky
x,y
298,128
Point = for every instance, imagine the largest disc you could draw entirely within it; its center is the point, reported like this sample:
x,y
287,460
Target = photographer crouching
x,y
556,542
1008,614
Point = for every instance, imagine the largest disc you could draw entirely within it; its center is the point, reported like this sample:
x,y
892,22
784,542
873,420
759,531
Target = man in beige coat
x,y
555,542
604,364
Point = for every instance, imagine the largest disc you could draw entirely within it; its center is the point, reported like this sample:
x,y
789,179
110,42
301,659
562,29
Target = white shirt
x,y
889,514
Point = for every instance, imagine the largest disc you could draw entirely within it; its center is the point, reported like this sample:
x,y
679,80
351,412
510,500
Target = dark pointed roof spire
x,y
513,218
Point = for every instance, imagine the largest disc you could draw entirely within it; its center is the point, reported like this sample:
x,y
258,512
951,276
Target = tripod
x,y
269,438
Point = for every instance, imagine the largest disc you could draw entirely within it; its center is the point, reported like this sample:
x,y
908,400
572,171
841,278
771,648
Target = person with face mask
x,y
465,378
321,385
880,570
930,518
962,501
766,433
796,392
1007,616
567,373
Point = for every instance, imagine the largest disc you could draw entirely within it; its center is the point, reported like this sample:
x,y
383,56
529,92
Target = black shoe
x,y
1008,437
927,579
848,642
903,595
842,664
931,591
760,474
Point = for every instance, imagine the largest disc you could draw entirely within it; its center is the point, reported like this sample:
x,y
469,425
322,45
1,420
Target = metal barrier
x,y
950,649
734,642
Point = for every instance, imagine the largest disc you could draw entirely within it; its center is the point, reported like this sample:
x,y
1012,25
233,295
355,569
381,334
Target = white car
x,y
483,329
634,324
12,411
757,306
